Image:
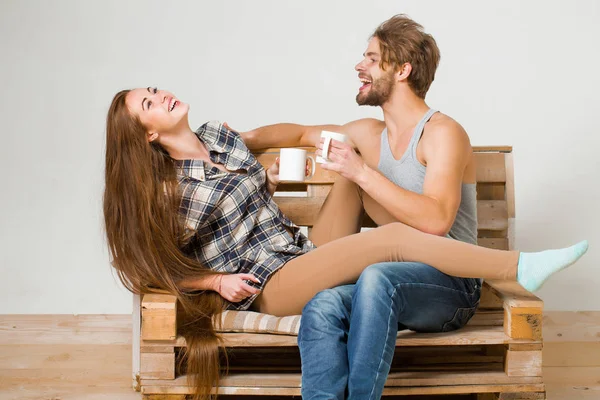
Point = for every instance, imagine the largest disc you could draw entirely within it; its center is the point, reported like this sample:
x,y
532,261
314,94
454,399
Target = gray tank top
x,y
409,174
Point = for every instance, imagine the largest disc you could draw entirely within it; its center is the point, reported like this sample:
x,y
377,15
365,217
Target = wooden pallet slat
x,y
523,363
513,396
523,390
492,215
418,382
523,323
159,315
157,365
493,243
490,167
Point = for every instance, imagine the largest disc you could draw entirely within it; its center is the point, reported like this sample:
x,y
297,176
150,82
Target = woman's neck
x,y
183,144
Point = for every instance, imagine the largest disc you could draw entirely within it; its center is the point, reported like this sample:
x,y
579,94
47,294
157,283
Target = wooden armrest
x,y
513,294
522,310
159,317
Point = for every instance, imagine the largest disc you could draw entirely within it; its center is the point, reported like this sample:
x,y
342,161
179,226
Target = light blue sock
x,y
534,268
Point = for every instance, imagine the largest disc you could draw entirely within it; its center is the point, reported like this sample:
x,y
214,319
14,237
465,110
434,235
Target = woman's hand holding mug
x,y
291,163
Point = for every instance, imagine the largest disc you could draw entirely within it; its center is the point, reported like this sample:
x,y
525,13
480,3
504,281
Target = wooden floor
x,y
88,357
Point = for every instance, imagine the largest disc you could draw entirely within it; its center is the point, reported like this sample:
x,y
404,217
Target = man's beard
x,y
380,92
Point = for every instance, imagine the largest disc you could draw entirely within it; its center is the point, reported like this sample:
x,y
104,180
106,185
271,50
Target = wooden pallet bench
x,y
498,355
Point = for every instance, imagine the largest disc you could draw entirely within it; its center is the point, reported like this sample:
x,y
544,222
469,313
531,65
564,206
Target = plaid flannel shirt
x,y
238,227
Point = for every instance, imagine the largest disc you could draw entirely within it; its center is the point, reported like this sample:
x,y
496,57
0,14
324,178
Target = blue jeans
x,y
348,334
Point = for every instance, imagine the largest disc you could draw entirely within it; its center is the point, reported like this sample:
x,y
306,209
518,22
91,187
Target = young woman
x,y
192,213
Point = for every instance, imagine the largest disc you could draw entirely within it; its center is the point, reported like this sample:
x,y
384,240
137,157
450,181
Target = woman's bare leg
x,y
340,259
343,211
341,214
341,262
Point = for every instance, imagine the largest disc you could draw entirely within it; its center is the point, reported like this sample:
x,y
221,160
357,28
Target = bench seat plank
x,y
469,335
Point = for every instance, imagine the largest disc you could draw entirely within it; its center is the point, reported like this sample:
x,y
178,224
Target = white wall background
x,y
512,72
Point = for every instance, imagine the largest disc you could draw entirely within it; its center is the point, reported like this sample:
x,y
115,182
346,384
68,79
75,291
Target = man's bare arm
x,y
285,135
447,152
295,135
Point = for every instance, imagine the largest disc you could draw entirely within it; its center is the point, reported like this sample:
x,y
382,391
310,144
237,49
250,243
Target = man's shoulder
x,y
363,131
365,125
444,135
444,123
444,127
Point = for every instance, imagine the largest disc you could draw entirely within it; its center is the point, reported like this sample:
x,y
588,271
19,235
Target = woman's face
x,y
159,110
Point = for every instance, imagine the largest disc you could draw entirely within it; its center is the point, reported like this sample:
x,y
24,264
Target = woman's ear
x,y
152,136
403,72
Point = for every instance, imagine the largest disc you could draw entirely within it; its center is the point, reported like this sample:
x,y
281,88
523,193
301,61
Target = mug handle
x,y
325,150
314,167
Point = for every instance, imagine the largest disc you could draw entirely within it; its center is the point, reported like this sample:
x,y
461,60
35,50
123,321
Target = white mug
x,y
328,136
292,165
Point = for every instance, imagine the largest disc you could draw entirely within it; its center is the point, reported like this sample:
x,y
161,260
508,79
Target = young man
x,y
417,166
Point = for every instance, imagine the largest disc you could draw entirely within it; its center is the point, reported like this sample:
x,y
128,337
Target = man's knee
x,y
328,302
376,277
383,282
328,310
392,274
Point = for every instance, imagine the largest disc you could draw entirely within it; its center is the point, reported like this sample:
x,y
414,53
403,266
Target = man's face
x,y
377,85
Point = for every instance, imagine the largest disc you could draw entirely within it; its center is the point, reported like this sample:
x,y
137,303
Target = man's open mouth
x,y
365,83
